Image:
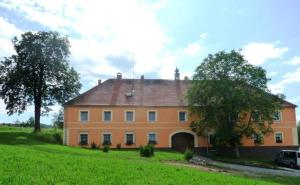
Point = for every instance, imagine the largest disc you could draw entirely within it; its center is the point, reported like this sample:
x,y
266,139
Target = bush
x,y
93,145
119,146
57,138
147,151
188,154
105,148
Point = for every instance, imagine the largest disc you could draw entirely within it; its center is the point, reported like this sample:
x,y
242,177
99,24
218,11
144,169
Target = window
x,y
211,139
255,116
106,139
107,116
278,137
84,116
151,116
182,116
152,138
83,139
277,116
258,138
129,116
129,138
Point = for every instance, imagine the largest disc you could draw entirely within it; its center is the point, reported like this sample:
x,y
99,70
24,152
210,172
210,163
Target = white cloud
x,y
274,73
104,28
203,35
288,78
192,49
293,61
258,53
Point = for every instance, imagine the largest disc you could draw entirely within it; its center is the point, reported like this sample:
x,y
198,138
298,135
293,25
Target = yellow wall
x,y
166,124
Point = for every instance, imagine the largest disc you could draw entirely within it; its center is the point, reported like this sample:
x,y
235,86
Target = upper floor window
x,y
182,116
152,116
83,139
84,116
277,116
152,138
107,116
278,137
106,139
129,116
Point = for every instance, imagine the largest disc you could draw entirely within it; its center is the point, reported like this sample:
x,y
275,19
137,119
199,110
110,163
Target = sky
x,y
153,37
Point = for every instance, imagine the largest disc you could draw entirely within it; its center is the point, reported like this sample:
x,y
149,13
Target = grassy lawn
x,y
27,158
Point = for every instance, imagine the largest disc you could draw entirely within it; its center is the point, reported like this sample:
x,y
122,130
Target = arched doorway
x,y
181,140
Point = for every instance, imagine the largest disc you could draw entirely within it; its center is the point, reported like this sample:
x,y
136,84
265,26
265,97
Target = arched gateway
x,y
182,139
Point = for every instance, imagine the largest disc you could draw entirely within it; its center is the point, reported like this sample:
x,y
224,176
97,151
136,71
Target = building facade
x,y
129,113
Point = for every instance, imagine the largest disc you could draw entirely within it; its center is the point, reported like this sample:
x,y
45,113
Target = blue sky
x,y
160,35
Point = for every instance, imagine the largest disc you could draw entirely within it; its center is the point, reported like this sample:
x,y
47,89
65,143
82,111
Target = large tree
x,y
230,98
38,73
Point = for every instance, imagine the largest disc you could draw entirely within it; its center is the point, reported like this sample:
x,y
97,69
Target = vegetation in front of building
x,y
105,148
147,150
188,154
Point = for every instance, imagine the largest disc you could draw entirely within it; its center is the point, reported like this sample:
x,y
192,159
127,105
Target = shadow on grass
x,y
23,138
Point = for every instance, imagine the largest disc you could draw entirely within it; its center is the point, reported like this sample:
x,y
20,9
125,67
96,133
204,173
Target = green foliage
x,y
39,74
57,137
188,154
147,150
58,119
231,98
105,148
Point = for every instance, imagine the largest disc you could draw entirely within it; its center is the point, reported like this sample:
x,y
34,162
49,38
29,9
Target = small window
x,y
84,116
211,139
277,116
129,139
182,116
152,138
129,116
278,137
106,139
107,116
83,139
152,116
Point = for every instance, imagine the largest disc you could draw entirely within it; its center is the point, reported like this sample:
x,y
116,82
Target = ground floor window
x,y
129,138
106,139
278,137
83,139
152,138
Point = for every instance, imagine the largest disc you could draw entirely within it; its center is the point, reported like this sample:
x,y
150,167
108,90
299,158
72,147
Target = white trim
x,y
156,136
88,139
79,116
156,115
125,116
186,116
102,137
111,115
184,131
295,136
125,138
282,137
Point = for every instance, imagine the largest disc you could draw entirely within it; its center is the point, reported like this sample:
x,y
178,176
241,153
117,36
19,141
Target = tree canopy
x,y
231,99
38,73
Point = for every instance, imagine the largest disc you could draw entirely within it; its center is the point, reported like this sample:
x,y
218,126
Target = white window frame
x,y
88,116
125,137
186,116
102,137
88,137
156,137
282,137
103,117
156,115
280,117
133,116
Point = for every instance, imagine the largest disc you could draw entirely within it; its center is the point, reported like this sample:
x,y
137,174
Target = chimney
x,y
119,76
99,82
177,74
142,77
186,78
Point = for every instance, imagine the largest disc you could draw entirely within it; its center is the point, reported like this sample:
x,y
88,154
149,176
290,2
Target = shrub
x,y
152,142
147,151
105,148
188,154
119,146
57,138
106,143
93,145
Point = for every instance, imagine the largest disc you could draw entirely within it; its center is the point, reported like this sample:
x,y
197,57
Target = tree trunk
x,y
37,116
237,151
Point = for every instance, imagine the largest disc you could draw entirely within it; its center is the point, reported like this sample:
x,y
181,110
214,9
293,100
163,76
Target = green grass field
x,y
27,158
